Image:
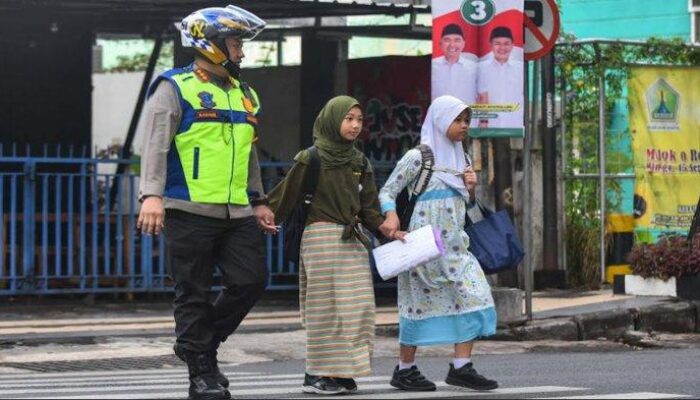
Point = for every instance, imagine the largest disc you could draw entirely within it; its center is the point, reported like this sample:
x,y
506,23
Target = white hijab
x,y
448,154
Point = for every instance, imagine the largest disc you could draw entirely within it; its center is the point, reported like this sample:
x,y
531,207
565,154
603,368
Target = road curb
x,y
552,328
678,317
672,317
606,324
87,337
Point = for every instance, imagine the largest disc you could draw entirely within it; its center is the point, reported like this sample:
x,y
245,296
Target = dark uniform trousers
x,y
194,246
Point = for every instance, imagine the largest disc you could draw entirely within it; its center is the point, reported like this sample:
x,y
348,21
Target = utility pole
x,y
550,257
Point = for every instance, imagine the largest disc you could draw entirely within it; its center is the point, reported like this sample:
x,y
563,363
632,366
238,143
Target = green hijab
x,y
332,148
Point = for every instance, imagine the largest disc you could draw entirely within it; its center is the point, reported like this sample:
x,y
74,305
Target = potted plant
x,y
670,267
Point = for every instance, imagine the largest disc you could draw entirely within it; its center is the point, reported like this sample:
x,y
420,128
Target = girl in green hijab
x,y
336,293
336,145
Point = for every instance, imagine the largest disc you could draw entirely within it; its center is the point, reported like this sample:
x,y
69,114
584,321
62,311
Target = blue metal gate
x,y
60,231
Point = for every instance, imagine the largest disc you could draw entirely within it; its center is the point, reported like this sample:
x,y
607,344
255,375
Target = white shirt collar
x,y
462,60
508,63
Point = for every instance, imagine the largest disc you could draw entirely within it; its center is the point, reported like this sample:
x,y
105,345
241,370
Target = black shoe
x,y
203,382
348,383
321,385
468,377
412,380
220,378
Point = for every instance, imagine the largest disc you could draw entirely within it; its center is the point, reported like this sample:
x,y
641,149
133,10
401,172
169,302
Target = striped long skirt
x,y
337,302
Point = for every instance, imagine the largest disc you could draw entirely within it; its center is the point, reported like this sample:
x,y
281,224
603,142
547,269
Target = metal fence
x,y
62,232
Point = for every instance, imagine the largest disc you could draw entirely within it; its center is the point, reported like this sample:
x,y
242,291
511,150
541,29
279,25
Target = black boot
x,y
220,377
468,377
203,382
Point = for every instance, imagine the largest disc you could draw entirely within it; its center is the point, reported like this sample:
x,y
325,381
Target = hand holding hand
x,y
266,219
390,227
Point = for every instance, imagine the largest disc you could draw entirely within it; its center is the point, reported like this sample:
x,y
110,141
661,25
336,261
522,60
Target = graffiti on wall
x,y
394,93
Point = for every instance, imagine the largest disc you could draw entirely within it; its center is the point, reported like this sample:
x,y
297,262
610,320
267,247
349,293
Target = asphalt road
x,y
660,373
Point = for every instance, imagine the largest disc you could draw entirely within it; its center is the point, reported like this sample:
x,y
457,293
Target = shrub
x,y
670,257
583,254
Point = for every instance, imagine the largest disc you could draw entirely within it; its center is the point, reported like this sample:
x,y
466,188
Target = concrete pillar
x,y
320,58
509,306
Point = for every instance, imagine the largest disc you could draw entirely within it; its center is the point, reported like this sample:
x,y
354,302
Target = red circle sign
x,y
541,27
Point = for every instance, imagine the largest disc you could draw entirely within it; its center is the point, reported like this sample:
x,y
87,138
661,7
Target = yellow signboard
x,y
665,126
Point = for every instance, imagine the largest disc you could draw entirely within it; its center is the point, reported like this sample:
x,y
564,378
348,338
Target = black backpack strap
x,y
427,161
311,180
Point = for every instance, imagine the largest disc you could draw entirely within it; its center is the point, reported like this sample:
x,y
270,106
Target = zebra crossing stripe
x,y
179,373
127,389
174,380
173,384
640,395
98,374
392,394
126,396
113,388
461,392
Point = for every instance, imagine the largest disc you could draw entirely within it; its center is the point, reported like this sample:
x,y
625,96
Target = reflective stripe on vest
x,y
208,159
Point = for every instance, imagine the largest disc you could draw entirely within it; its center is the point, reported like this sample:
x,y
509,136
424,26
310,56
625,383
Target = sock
x,y
460,362
403,365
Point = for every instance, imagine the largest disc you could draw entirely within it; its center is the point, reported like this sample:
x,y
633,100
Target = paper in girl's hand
x,y
438,240
420,246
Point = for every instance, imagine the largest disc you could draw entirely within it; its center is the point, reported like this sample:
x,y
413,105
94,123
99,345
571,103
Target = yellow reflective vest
x,y
208,158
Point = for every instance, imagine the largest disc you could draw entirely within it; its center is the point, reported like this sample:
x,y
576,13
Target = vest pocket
x,y
195,164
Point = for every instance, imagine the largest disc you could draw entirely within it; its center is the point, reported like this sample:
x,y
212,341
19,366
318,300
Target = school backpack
x,y
296,222
406,200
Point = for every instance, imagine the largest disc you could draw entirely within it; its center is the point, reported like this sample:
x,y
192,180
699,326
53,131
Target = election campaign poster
x,y
478,58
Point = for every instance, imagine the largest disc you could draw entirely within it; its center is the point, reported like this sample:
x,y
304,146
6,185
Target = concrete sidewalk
x,y
560,315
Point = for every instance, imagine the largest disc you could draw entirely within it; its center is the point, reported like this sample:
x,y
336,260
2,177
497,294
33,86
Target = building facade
x,y
631,19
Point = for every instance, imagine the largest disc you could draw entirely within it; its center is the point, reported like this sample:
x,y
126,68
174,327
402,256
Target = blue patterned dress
x,y
448,300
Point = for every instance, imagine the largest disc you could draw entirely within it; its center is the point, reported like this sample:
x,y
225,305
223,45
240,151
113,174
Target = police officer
x,y
201,185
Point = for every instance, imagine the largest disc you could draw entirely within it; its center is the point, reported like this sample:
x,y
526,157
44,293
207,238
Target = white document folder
x,y
421,246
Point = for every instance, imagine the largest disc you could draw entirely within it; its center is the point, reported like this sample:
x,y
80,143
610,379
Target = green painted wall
x,y
626,19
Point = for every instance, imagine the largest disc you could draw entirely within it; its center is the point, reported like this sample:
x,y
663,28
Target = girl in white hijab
x,y
447,301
